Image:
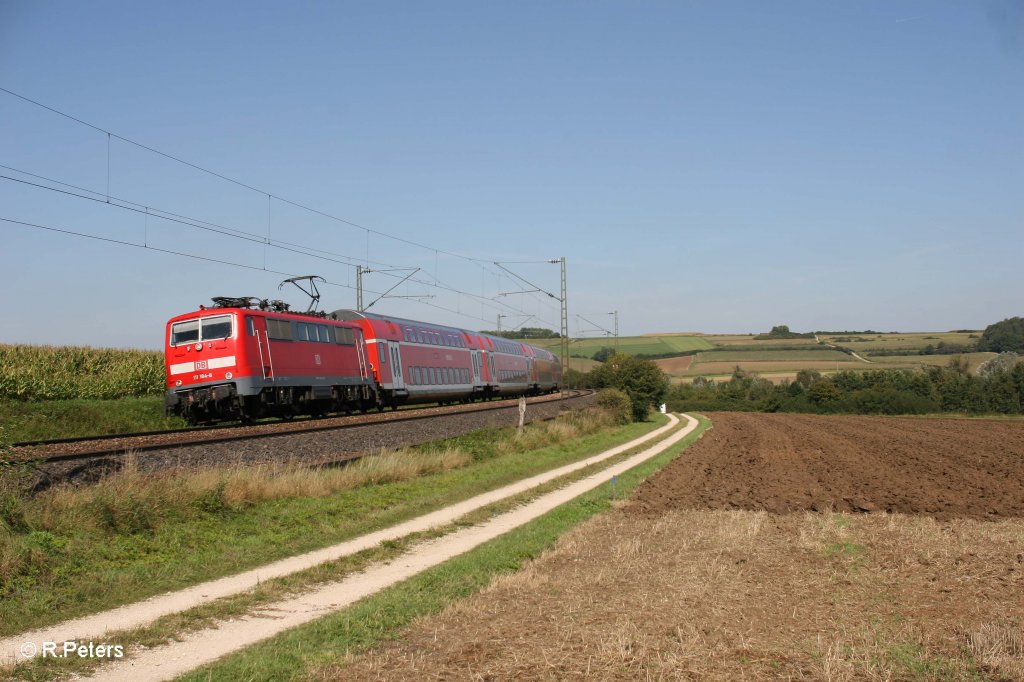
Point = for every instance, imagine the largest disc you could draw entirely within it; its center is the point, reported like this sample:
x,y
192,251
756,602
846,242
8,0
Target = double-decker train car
x,y
424,362
235,361
247,358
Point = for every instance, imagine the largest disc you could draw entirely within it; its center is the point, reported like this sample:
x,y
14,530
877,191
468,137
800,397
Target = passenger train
x,y
246,358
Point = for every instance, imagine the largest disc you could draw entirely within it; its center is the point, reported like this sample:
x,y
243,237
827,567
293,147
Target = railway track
x,y
100,447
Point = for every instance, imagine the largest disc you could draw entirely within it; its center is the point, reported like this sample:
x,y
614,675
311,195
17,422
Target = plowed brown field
x,y
728,565
945,468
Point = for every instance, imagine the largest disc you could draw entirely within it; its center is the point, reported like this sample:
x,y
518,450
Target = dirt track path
x,y
205,646
142,613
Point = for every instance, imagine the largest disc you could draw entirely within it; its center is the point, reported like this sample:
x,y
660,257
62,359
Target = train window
x,y
447,378
279,329
415,373
250,325
382,352
343,336
184,332
419,336
302,331
216,327
430,373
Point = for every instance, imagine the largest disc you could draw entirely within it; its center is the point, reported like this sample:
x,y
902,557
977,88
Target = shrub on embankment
x,y
38,373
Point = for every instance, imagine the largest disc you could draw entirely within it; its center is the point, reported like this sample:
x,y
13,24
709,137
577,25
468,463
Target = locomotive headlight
x,y
178,382
228,375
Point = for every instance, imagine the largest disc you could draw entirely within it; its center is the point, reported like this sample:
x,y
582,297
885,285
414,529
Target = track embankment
x,y
314,442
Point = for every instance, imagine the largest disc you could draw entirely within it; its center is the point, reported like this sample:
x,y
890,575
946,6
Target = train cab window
x,y
205,329
250,325
184,332
215,328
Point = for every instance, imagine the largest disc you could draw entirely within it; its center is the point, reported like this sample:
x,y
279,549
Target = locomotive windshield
x,y
205,329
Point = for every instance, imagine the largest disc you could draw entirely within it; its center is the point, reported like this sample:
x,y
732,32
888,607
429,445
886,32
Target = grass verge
x,y
317,650
48,419
71,552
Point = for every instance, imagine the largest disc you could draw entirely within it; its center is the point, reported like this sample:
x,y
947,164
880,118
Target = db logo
x,y
200,364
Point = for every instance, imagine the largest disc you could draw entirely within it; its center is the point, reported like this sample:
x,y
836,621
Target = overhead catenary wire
x,y
240,183
110,240
148,211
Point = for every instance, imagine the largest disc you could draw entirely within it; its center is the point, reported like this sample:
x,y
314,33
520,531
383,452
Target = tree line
x,y
997,388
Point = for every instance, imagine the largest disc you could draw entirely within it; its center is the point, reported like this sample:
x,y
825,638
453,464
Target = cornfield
x,y
70,372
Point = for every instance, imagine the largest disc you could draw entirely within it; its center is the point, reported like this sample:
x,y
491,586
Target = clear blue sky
x,y
705,166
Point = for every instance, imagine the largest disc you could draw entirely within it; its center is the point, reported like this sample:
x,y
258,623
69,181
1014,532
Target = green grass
x,y
24,421
314,651
127,543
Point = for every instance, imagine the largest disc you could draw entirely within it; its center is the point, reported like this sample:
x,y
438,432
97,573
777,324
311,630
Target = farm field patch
x,y
906,361
582,364
726,340
719,568
634,345
822,354
675,365
725,368
910,341
945,468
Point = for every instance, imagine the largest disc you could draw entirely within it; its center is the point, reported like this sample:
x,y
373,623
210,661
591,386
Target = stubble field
x,y
749,557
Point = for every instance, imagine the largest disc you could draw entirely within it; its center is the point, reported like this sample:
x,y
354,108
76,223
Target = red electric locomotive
x,y
244,359
247,358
